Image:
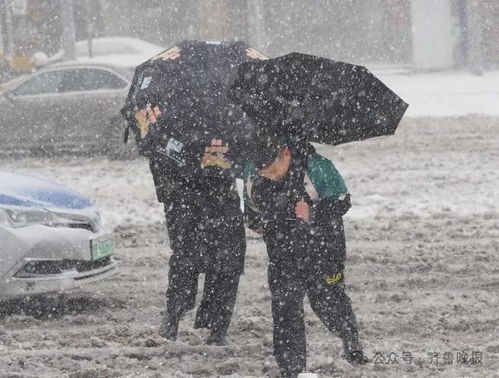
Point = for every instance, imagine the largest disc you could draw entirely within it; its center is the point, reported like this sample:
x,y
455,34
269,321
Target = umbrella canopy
x,y
316,99
188,68
180,94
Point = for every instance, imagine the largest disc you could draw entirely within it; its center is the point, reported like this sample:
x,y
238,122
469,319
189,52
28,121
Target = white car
x,y
52,239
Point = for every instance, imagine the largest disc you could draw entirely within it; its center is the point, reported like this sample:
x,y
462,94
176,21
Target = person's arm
x,y
326,209
253,220
334,200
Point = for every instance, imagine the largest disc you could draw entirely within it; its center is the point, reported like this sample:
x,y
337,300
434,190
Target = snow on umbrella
x,y
317,99
177,103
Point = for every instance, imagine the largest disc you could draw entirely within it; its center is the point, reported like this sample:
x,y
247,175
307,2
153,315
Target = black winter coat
x,y
204,221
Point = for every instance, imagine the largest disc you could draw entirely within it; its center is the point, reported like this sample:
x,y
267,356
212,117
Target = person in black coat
x,y
299,199
194,138
206,232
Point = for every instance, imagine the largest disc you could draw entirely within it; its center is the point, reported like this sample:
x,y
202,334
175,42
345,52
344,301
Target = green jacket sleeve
x,y
325,177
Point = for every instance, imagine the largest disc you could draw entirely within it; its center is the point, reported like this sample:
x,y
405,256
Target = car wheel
x,y
116,148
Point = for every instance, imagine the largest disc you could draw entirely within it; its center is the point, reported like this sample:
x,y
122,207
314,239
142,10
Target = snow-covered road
x,y
422,271
444,94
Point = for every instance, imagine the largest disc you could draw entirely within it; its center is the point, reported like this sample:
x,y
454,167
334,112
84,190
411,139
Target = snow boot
x,y
169,327
356,357
216,338
202,319
290,374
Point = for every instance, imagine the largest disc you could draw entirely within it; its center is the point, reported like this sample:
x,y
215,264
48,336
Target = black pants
x,y
204,240
217,302
307,260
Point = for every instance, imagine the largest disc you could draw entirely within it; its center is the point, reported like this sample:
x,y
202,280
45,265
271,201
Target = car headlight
x,y
90,221
25,217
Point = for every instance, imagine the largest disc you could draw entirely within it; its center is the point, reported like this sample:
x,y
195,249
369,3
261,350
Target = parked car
x,y
52,239
67,107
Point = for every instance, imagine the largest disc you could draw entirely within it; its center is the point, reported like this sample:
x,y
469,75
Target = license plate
x,y
101,247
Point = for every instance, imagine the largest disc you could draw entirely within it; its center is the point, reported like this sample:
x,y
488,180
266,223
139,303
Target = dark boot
x,y
219,306
180,297
289,374
356,357
202,320
169,327
216,338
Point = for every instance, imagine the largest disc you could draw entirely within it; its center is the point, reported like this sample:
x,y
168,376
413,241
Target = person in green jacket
x,y
297,198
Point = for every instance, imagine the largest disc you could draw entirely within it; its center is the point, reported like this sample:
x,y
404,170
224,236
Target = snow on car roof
x,y
122,51
118,60
117,45
126,62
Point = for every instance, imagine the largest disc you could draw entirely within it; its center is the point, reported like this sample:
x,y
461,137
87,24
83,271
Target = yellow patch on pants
x,y
335,278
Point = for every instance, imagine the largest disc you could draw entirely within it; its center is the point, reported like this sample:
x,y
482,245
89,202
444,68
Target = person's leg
x,y
220,298
334,308
288,320
180,297
226,246
183,273
326,289
287,290
204,310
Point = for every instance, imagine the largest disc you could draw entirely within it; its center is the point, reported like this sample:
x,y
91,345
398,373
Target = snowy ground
x,y
443,94
422,271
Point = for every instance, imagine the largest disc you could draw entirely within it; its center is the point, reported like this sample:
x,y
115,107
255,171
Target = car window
x,y
90,79
42,83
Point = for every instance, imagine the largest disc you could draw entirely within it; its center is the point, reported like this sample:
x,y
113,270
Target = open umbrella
x,y
316,99
186,69
178,109
185,78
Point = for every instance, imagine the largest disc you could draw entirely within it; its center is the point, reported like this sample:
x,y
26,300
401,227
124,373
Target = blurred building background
x,y
419,34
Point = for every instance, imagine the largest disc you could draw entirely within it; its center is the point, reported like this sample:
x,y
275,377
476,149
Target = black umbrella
x,y
316,99
184,74
180,94
188,68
